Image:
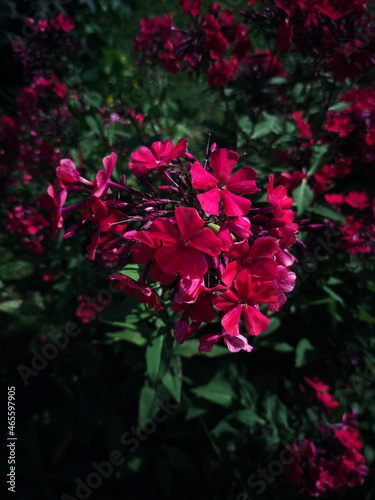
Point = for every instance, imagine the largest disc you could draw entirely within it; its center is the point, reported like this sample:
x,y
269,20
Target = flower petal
x,y
234,205
243,181
238,343
264,247
201,179
222,162
207,242
231,319
188,221
165,230
209,201
193,265
255,321
170,258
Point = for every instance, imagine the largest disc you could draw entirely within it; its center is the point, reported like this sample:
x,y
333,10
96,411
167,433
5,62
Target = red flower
x,y
244,301
55,200
129,286
184,244
322,392
258,259
220,73
357,200
349,437
160,154
103,176
222,185
234,344
192,7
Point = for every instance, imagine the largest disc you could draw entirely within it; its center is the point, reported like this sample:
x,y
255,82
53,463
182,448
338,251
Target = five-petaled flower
x,y
222,185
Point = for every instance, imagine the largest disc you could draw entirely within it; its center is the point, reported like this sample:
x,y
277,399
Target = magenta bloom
x,y
244,301
104,176
322,392
184,244
220,73
258,259
160,154
222,185
234,344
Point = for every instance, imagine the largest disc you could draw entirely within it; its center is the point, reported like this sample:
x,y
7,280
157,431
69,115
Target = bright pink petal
x,y
231,319
209,201
244,285
230,272
225,237
202,309
238,343
165,230
234,205
99,209
142,253
143,155
206,342
264,247
193,265
240,226
263,269
238,250
170,258
222,162
255,321
67,172
179,149
188,221
91,248
161,149
109,163
207,242
243,181
201,179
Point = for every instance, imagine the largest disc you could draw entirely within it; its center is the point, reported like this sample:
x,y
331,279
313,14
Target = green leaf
x,y
10,306
320,154
270,124
132,270
365,316
93,99
93,124
334,295
178,458
327,212
248,417
278,346
303,197
305,352
16,270
340,106
173,384
153,357
146,404
216,391
132,336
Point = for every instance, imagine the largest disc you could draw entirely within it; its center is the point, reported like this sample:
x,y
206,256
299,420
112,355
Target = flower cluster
x,y
330,464
204,250
321,391
215,42
220,46
29,141
27,222
50,41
